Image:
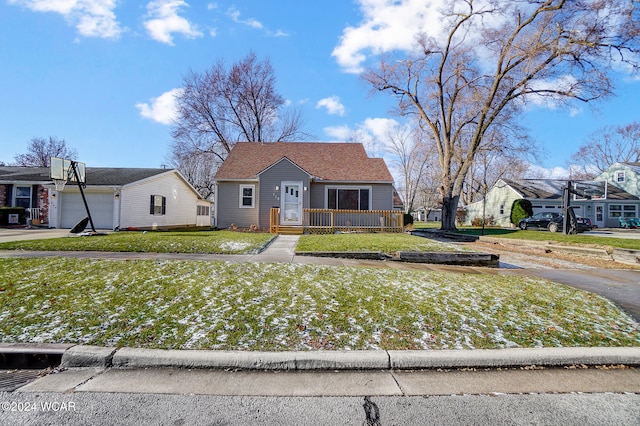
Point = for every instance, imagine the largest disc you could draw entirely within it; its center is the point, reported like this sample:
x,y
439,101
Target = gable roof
x,y
540,189
635,167
10,174
347,162
551,189
95,176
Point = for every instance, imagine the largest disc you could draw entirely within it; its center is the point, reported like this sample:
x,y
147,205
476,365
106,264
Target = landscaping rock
x,y
627,256
449,258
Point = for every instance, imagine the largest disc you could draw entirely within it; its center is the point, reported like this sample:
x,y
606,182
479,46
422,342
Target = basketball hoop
x,y
60,183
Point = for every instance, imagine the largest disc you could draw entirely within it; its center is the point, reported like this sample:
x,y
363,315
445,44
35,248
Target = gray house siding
x,y
230,212
282,171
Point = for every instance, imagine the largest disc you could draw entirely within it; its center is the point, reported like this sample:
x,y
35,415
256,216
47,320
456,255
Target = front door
x,y
599,219
291,203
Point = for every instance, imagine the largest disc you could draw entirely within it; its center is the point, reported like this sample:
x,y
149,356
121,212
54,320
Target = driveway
x,y
19,234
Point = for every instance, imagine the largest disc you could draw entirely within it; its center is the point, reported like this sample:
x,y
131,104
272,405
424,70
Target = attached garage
x,y
121,199
73,210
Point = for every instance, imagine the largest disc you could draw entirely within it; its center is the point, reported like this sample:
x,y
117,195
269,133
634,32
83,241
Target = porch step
x,y
290,230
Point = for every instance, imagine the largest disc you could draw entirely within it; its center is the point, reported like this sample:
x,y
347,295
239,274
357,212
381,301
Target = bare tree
x,y
409,156
605,147
40,151
503,155
221,106
495,58
197,167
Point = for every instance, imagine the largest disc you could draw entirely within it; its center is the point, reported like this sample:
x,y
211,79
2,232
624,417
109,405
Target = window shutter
x,y
9,200
152,207
164,205
34,196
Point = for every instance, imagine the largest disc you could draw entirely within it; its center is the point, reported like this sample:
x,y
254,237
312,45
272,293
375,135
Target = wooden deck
x,y
325,221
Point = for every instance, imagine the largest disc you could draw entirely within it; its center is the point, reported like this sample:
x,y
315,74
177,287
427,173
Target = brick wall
x,y
3,196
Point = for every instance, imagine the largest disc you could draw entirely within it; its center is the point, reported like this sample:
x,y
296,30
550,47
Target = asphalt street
x,y
170,409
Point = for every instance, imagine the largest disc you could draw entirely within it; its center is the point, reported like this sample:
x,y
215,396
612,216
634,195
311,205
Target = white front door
x,y
599,219
291,203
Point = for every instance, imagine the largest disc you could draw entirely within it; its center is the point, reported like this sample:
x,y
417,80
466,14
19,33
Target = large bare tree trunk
x,y
449,210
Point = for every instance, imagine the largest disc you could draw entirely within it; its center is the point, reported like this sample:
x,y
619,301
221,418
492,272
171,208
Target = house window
x,y
158,205
502,209
622,210
349,198
620,177
203,210
247,196
23,196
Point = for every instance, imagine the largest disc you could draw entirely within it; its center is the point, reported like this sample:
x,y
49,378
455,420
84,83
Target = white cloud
x,y
339,133
92,18
332,104
387,25
163,21
372,133
162,109
539,172
235,16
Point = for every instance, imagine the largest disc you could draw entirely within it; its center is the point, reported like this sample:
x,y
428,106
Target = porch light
x,y
117,195
277,188
305,188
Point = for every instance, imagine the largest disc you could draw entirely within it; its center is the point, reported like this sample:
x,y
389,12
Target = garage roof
x,y
96,176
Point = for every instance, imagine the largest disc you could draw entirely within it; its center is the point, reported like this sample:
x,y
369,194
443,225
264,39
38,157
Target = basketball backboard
x,y
590,190
60,169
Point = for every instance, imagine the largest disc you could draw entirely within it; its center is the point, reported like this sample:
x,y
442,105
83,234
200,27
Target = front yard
x,y
218,242
254,306
382,243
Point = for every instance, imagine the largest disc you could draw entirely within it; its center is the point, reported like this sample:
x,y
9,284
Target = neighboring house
x,y
424,214
25,187
256,179
625,176
609,199
117,198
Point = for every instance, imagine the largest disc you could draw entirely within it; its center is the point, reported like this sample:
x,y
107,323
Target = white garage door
x,y
73,211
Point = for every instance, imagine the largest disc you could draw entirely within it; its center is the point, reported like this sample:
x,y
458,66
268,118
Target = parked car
x,y
542,220
584,224
552,222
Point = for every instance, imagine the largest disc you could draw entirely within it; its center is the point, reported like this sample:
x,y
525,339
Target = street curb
x,y
88,356
131,358
294,360
514,357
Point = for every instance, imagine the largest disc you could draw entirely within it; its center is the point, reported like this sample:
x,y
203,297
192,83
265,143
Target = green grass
x,y
253,306
219,242
557,237
384,243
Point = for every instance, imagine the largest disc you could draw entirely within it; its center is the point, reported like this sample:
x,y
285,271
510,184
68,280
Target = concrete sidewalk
x,y
337,383
343,373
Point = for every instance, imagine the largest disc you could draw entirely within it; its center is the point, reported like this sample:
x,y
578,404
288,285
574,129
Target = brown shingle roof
x,y
347,162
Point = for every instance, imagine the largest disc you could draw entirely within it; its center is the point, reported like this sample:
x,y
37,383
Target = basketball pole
x,y
84,199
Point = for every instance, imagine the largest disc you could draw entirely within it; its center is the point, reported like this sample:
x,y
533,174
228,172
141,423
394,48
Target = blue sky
x,y
100,73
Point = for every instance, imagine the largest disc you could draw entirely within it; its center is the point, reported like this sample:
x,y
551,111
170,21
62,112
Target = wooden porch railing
x,y
326,221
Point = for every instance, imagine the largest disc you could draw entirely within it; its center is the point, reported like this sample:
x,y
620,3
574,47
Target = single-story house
x,y
118,198
304,185
424,214
609,198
